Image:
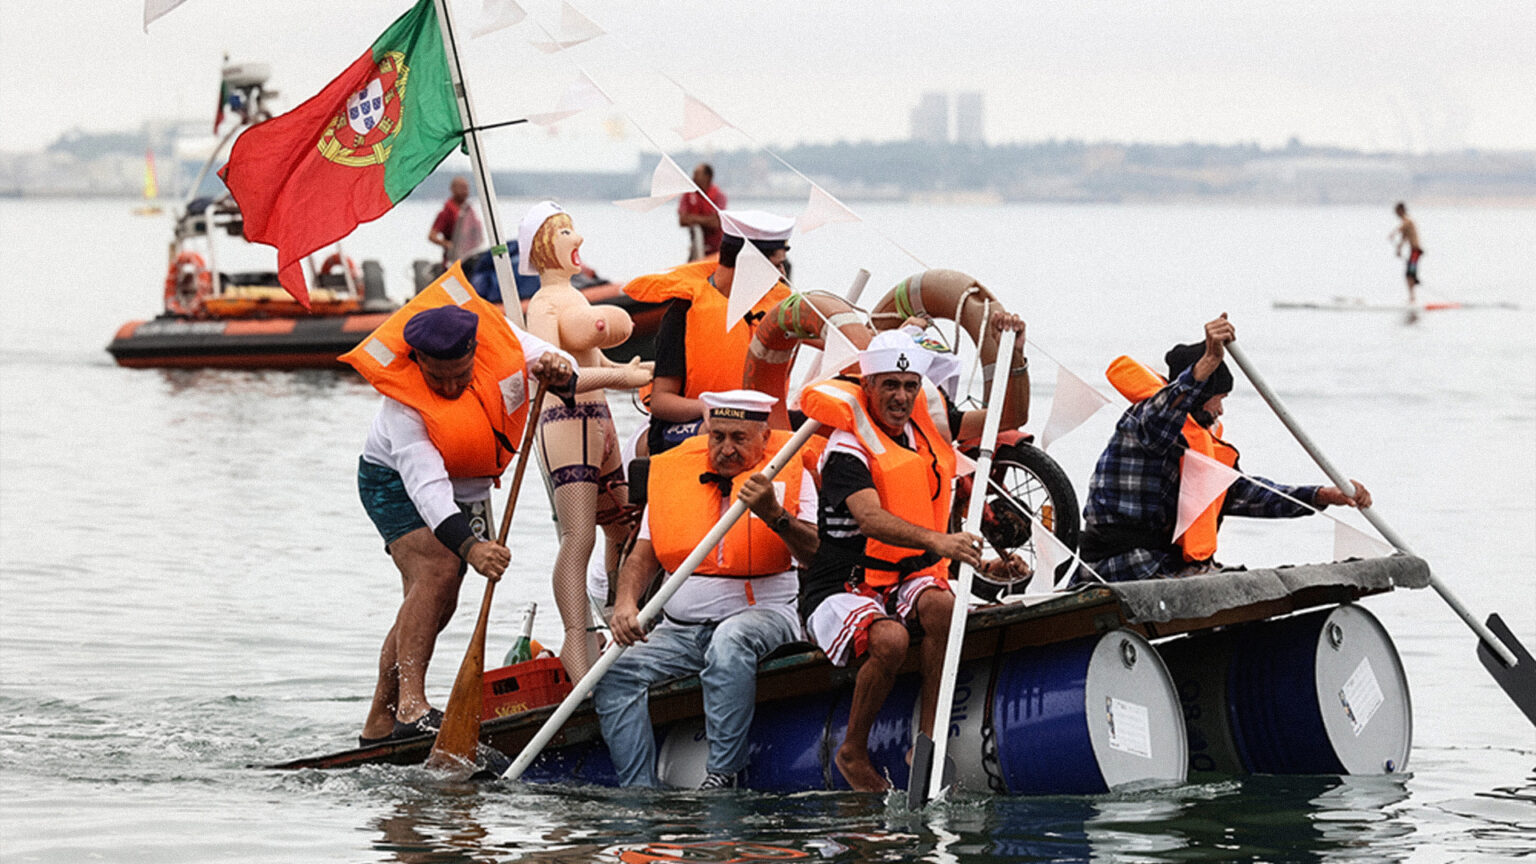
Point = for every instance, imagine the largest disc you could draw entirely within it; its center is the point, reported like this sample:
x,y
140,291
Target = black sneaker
x,y
716,780
426,724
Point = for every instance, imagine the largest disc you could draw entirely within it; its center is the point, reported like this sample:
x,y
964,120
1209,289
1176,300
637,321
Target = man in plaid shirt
x,y
1133,497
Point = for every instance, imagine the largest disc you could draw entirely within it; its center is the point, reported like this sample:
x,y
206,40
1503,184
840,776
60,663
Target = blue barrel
x,y
785,752
1320,693
890,737
587,762
1087,716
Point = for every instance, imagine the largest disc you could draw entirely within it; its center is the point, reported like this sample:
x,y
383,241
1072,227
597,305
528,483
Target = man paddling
x,y
455,386
879,579
1133,498
1407,234
737,607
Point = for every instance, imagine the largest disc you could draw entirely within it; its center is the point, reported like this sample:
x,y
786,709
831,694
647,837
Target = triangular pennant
x,y
582,94
1075,401
1350,542
1050,554
754,278
807,358
838,354
822,209
1201,480
575,28
698,119
497,14
965,466
643,205
155,8
670,180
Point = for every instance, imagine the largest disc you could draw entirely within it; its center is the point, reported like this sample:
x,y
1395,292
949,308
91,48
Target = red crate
x,y
524,686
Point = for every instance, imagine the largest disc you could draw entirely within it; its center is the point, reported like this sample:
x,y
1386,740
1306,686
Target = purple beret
x,y
443,333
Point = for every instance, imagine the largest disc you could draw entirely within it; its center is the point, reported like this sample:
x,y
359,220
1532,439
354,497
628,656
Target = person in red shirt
x,y
700,217
448,218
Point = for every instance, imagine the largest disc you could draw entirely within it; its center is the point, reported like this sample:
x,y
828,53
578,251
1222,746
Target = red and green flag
x,y
305,179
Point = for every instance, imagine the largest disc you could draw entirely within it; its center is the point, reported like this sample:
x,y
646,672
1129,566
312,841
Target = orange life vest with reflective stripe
x,y
1137,383
717,357
478,432
914,485
684,509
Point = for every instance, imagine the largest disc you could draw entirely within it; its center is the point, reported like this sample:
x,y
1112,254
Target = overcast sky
x,y
1406,75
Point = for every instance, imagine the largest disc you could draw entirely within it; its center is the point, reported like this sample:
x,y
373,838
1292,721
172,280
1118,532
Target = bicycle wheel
x,y
1026,482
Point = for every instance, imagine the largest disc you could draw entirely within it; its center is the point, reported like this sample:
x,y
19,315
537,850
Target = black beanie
x,y
1181,357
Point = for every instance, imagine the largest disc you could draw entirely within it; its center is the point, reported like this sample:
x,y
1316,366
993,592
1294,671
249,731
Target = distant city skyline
x,y
1407,75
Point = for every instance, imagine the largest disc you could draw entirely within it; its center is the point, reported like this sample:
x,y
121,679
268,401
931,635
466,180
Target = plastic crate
x,y
524,686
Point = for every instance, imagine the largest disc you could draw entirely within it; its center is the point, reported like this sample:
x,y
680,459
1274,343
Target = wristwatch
x,y
780,522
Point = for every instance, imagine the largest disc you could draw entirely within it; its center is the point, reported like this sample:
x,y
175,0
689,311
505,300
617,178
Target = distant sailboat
x,y
151,205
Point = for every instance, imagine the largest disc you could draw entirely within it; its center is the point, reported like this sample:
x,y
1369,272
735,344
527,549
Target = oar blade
x,y
454,749
1519,680
922,766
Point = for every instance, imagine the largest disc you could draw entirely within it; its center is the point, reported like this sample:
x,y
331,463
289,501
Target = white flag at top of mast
x,y
497,14
155,8
575,28
822,209
698,119
581,95
667,182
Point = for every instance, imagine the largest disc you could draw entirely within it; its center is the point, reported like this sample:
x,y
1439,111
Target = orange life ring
x,y
333,263
949,295
188,283
799,318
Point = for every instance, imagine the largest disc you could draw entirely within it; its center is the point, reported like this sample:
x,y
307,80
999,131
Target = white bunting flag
x,y
807,358
1201,479
698,119
1075,401
155,8
667,182
581,95
1050,553
754,278
822,209
497,14
575,28
1350,542
838,354
965,466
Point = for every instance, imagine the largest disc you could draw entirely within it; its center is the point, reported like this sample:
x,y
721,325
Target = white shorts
x,y
840,625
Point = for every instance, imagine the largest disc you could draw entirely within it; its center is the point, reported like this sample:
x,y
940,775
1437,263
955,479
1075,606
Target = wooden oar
x,y
653,608
1507,660
457,738
927,780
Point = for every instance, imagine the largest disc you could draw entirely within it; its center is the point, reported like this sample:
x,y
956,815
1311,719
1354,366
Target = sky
x,y
1406,75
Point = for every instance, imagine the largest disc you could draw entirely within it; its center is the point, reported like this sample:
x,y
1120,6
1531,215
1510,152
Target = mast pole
x,y
504,275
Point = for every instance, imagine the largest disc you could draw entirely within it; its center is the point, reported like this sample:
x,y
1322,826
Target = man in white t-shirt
x,y
737,607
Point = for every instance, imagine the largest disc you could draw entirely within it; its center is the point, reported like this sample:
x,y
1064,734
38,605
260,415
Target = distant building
x,y
970,118
930,119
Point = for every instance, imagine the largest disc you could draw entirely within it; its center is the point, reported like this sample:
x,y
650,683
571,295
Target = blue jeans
x,y
724,655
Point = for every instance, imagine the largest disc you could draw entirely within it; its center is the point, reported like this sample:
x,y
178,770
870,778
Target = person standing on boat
x,y
446,224
1133,498
1407,234
699,213
697,350
737,607
880,576
455,385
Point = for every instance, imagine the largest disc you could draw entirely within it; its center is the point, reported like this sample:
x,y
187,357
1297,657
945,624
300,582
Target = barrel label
x,y
1130,731
1361,695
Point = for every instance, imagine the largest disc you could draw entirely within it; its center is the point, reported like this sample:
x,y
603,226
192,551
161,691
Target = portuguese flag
x,y
305,179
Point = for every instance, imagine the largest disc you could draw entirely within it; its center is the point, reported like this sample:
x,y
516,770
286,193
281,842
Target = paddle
x,y
459,735
926,784
1507,660
648,614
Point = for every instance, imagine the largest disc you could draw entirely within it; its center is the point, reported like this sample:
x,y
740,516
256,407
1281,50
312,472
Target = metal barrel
x,y
1318,693
1087,716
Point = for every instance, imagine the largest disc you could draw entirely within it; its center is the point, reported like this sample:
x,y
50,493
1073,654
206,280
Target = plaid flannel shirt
x,y
1136,481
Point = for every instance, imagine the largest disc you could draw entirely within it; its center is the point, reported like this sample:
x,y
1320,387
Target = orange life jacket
x,y
717,357
691,508
478,432
1137,383
914,485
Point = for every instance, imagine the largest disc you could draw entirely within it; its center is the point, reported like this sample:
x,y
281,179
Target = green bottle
x,y
522,649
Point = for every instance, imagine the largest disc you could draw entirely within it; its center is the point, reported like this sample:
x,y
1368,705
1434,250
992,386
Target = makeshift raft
x,y
1106,687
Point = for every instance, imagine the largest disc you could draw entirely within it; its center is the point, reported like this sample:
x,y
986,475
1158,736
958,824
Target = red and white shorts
x,y
840,625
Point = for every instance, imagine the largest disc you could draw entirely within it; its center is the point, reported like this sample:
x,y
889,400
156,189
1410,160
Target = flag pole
x,y
504,275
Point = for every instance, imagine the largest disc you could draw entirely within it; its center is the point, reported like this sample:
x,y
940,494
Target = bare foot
x,y
853,761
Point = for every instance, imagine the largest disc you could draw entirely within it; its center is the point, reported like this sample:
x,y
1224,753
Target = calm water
x,y
190,586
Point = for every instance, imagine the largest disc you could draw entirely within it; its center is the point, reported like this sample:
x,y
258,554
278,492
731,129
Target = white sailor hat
x,y
534,219
739,404
894,351
759,226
